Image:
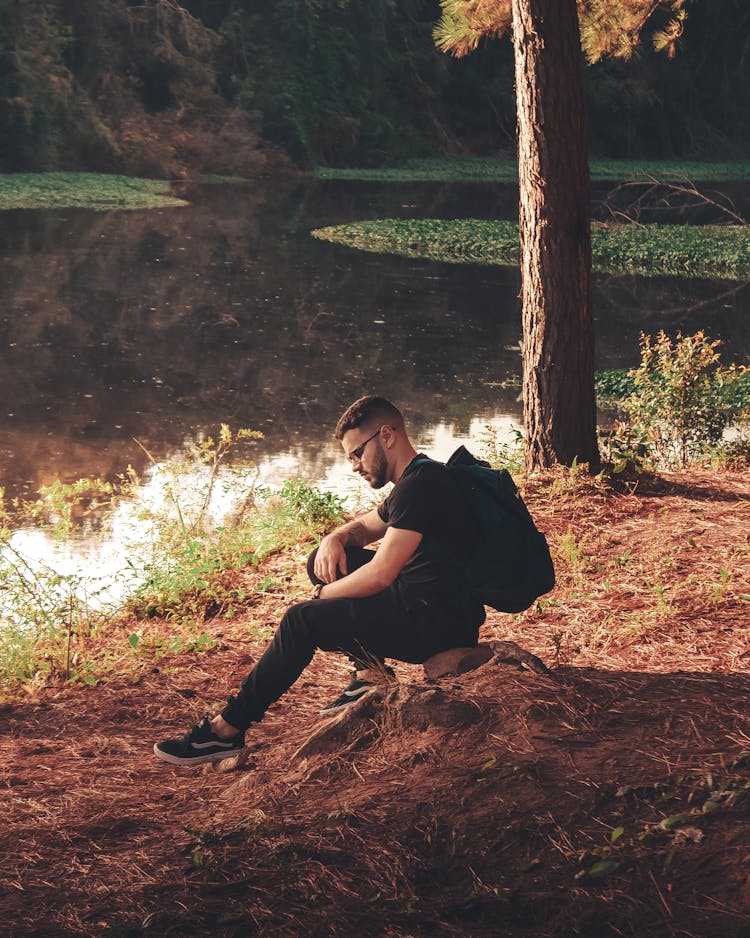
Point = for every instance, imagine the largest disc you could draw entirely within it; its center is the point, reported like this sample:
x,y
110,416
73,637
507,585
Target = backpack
x,y
511,565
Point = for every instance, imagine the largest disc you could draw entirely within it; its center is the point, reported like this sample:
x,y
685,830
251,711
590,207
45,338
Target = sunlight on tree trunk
x,y
558,337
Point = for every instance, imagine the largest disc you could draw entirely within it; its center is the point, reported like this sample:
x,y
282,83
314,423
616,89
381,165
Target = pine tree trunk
x,y
554,217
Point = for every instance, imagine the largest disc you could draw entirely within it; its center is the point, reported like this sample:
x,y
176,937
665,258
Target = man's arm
x,y
331,556
395,551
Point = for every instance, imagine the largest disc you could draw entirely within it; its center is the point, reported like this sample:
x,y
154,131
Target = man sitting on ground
x,y
405,600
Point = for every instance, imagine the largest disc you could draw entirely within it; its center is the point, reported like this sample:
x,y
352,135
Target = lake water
x,y
160,325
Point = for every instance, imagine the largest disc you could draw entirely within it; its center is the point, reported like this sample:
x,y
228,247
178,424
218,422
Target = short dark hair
x,y
365,410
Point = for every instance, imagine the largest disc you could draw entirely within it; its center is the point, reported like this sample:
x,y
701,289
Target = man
x,y
405,600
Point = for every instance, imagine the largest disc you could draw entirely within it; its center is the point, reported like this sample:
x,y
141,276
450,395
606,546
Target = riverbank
x,y
485,169
615,793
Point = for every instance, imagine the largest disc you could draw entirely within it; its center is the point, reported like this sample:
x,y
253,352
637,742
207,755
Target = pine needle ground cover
x,y
611,798
477,169
84,190
709,251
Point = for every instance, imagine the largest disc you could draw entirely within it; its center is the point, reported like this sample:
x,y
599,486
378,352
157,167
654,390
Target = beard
x,y
377,476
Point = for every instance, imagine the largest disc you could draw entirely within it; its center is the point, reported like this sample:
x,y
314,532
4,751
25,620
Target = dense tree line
x,y
158,86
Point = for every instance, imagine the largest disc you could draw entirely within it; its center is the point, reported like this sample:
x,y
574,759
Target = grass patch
x,y
477,169
191,536
647,250
84,190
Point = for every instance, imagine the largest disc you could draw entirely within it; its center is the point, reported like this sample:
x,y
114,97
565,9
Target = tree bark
x,y
555,228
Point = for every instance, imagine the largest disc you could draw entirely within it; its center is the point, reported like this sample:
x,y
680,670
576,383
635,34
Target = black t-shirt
x,y
427,499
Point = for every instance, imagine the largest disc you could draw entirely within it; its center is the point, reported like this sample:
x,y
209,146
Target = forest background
x,y
168,90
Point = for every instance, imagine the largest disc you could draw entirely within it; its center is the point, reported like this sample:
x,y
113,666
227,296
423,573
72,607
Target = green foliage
x,y
184,584
613,386
683,399
678,250
503,453
83,190
323,75
455,34
64,505
183,565
648,250
607,27
625,448
42,610
195,641
491,169
313,508
186,576
296,513
44,115
102,84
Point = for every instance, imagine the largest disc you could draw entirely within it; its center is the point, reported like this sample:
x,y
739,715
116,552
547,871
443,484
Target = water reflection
x,y
104,561
159,325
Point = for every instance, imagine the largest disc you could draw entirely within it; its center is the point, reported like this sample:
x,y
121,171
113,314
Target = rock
x,y
510,652
457,661
461,660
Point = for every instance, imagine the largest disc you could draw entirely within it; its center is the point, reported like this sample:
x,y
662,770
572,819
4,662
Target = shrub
x,y
683,399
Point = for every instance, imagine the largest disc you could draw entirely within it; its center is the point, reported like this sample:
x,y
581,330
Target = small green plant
x,y
718,591
557,638
45,615
683,400
569,550
625,448
662,607
66,506
314,508
504,454
189,489
296,512
195,641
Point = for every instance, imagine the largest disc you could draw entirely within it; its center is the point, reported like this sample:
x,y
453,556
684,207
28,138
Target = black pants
x,y
368,630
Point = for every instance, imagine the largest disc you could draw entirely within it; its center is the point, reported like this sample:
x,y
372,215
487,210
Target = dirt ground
x,y
611,798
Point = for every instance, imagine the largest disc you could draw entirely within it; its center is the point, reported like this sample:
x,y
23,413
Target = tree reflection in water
x,y
161,324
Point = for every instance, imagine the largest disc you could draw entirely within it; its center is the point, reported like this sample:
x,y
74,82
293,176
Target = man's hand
x,y
331,558
397,548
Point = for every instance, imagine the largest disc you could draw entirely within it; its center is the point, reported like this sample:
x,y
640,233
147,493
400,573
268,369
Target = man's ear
x,y
388,435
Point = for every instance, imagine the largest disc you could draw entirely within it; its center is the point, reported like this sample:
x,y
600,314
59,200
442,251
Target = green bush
x,y
296,513
683,400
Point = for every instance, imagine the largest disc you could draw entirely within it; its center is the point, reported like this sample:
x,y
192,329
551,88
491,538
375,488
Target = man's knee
x,y
323,624
295,622
356,557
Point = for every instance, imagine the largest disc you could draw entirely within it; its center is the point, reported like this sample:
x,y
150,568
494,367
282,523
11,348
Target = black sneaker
x,y
355,691
201,744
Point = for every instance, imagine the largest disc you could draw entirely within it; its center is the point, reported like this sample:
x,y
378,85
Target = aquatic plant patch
x,y
647,250
476,169
84,190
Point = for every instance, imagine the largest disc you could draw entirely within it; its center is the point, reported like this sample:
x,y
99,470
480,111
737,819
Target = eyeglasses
x,y
356,454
